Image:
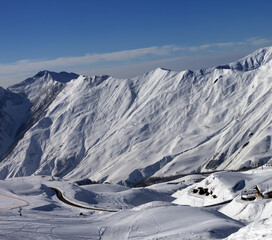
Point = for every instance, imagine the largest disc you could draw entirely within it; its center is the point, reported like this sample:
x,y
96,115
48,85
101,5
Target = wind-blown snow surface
x,y
256,214
142,213
146,214
158,124
258,230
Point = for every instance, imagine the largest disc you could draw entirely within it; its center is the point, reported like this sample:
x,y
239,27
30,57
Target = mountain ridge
x,y
160,123
252,61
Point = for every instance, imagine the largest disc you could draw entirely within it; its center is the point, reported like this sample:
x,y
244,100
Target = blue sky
x,y
127,38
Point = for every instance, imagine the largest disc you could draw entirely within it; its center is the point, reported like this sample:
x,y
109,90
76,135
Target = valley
x,y
165,155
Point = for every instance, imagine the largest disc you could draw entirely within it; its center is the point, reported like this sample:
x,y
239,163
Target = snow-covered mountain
x,y
14,110
125,130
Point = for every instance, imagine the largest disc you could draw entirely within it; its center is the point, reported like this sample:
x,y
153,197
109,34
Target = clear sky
x,y
125,38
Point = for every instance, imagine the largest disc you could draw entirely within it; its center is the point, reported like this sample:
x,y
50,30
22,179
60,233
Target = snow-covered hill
x,y
159,124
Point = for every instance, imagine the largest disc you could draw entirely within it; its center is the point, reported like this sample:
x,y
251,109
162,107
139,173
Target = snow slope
x,y
256,214
159,124
258,230
14,111
228,186
45,217
143,213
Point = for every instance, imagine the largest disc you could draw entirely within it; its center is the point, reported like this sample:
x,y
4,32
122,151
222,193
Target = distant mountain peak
x,y
251,61
62,77
41,79
163,69
160,70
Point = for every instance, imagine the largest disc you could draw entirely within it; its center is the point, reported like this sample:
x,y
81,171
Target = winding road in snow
x,y
62,198
218,204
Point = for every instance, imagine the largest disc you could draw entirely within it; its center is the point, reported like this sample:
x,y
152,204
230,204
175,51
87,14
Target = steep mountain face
x,y
14,110
158,124
26,103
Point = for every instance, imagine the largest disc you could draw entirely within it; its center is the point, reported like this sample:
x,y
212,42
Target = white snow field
x,y
126,130
256,214
142,213
255,231
225,186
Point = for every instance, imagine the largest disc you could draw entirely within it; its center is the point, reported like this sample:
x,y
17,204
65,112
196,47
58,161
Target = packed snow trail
x,y
26,203
65,200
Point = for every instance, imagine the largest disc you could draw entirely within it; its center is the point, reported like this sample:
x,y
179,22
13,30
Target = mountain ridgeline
x,y
124,131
